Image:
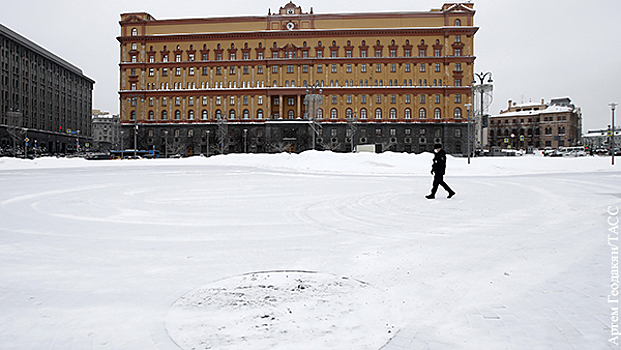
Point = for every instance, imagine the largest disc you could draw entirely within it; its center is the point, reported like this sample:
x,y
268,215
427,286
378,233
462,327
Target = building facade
x,y
106,131
601,140
238,84
43,98
539,125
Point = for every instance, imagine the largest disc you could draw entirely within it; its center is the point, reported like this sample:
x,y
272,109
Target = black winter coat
x,y
439,163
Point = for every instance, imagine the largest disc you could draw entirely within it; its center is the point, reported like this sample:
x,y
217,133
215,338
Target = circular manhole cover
x,y
282,310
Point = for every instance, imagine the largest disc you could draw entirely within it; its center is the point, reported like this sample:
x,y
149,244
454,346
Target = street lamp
x,y
245,138
207,143
351,122
613,106
313,97
166,144
468,105
481,88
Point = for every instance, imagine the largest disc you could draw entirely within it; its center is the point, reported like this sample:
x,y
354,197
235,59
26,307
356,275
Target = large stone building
x,y
43,98
239,84
539,125
106,131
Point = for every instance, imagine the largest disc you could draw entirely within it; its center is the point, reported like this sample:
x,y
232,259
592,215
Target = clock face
x,y
290,26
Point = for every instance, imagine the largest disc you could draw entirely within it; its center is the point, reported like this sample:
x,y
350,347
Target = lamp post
x,y
613,106
468,105
245,140
351,122
207,143
166,144
482,87
313,97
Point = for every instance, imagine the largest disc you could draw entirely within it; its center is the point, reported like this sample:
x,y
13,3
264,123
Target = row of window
x,y
530,120
290,68
333,133
291,100
528,132
291,51
364,114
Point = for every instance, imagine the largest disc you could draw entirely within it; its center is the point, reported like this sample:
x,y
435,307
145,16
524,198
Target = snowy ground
x,y
310,251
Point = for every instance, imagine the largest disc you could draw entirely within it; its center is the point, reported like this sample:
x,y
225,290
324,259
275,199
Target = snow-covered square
x,y
308,251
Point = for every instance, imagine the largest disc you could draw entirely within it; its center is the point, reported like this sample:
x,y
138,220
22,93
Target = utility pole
x,y
613,106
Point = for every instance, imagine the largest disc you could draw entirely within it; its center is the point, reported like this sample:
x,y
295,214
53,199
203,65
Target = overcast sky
x,y
536,49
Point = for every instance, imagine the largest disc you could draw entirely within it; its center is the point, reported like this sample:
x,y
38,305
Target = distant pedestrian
x,y
437,169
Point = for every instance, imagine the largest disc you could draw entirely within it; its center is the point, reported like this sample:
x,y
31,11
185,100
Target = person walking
x,y
438,169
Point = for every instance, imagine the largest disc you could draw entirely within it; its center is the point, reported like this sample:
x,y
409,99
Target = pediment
x,y
458,8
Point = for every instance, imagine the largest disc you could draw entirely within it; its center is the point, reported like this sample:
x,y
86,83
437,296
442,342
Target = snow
x,y
314,250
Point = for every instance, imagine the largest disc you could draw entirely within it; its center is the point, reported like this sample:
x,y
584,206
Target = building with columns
x,y
238,84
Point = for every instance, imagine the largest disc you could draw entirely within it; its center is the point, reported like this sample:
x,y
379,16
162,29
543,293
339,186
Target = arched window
x,y
133,115
457,113
204,114
291,114
275,84
218,114
286,83
378,113
349,113
260,114
134,32
333,113
437,114
164,115
422,113
232,114
177,115
363,113
191,115
320,113
408,113
457,23
393,113
151,114
246,114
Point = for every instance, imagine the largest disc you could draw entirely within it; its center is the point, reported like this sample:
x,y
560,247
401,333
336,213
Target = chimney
x,y
509,105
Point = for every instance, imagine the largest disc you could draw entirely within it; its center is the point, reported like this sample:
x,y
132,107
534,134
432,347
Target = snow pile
x,y
282,310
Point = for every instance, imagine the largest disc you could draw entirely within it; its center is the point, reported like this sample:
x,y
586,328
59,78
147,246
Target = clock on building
x,y
290,25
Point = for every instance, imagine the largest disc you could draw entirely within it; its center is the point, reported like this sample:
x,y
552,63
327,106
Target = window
x,y
178,58
422,98
305,68
378,113
408,98
191,115
393,67
378,53
218,100
260,100
407,67
422,52
363,68
191,71
334,99
334,68
348,68
437,67
349,113
290,101
134,32
260,114
190,101
259,69
408,113
457,52
164,72
378,68
393,113
457,82
458,67
363,113
393,53
260,55
275,69
422,113
437,52
457,113
378,99
232,101
348,97
437,114
363,99
437,98
319,68
204,114
333,113
320,113
458,98
246,70
232,70
393,99
164,115
289,68
422,67
246,114
177,115
232,114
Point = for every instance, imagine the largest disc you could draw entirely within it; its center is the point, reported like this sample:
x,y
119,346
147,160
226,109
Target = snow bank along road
x,y
94,255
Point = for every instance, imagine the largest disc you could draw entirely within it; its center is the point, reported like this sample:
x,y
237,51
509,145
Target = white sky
x,y
535,49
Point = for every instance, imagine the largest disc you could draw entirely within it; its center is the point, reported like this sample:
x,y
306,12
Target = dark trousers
x,y
438,180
